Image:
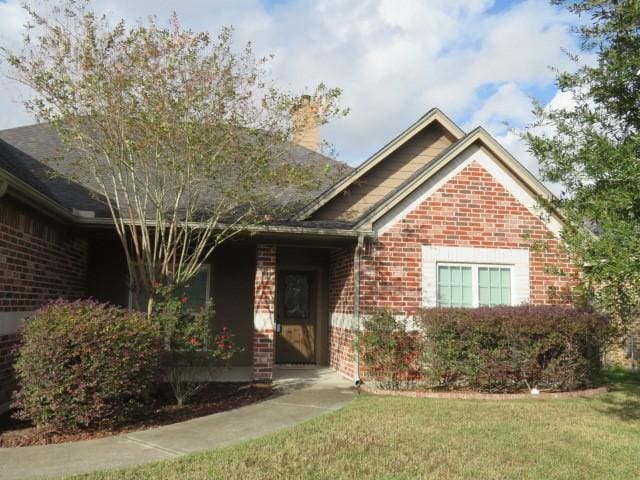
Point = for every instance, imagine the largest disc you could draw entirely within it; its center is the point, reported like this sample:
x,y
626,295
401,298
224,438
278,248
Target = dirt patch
x,y
214,398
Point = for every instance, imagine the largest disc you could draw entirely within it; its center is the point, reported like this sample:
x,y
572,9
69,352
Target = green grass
x,y
386,437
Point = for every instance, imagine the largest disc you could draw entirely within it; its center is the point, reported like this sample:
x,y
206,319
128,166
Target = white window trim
x,y
204,266
516,259
475,278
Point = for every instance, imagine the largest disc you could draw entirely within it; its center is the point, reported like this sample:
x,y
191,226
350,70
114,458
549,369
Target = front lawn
x,y
389,437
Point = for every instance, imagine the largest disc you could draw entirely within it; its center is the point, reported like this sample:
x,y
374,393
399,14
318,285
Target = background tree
x,y
182,136
593,150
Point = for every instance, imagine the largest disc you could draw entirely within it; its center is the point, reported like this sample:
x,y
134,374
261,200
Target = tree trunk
x,y
150,305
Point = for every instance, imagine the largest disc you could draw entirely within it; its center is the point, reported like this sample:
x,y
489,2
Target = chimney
x,y
306,124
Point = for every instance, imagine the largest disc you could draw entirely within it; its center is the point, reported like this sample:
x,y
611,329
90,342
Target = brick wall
x,y
39,261
264,311
341,289
471,210
341,281
341,354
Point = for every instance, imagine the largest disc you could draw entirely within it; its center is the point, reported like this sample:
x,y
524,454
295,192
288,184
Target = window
x,y
474,276
196,291
454,286
494,286
473,285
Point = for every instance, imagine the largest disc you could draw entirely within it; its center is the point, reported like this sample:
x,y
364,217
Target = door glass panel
x,y
296,296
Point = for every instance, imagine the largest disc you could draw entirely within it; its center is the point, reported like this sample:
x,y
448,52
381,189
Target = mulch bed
x,y
471,395
213,398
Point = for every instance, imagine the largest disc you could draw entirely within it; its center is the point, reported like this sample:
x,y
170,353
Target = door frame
x,y
316,271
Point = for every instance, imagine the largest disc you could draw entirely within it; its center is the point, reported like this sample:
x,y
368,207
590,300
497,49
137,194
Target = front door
x,y
296,317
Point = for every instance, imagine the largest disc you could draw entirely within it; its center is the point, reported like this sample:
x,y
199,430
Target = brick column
x,y
264,313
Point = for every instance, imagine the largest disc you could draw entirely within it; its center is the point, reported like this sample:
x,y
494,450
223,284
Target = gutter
x,y
34,198
338,232
356,300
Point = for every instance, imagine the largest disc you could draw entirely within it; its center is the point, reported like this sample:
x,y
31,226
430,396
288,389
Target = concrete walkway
x,y
303,394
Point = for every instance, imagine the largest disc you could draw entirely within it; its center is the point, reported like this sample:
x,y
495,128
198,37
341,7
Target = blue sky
x,y
478,60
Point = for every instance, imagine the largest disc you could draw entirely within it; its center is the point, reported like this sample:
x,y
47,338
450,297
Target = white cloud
x,y
508,104
394,59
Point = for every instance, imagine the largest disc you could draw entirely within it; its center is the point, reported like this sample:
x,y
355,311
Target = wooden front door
x,y
296,317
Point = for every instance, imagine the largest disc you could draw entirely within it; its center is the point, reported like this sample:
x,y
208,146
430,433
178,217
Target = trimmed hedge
x,y
85,364
507,349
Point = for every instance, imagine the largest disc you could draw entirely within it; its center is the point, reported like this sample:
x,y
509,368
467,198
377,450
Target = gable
x,y
474,175
382,179
433,117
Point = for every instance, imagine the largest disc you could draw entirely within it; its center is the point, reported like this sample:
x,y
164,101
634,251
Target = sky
x,y
480,61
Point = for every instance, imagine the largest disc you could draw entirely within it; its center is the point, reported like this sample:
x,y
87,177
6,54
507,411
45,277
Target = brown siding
x,y
386,176
233,291
107,277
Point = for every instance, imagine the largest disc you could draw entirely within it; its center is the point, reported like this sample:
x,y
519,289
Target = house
x,y
437,216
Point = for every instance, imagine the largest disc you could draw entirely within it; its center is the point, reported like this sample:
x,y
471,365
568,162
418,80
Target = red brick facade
x,y
470,210
341,291
341,281
341,354
39,261
264,310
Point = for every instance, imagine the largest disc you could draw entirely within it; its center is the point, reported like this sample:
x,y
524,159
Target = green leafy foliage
x,y
85,364
387,351
592,147
191,342
507,349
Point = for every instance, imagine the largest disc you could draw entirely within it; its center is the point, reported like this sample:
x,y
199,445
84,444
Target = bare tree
x,y
184,137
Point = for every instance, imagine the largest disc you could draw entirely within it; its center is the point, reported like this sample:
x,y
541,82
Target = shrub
x,y
506,349
190,342
387,350
85,364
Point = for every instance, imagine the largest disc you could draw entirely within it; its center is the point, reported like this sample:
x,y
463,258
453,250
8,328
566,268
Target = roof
x,y
36,157
478,135
26,154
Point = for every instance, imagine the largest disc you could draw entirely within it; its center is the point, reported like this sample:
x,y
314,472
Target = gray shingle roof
x,y
36,155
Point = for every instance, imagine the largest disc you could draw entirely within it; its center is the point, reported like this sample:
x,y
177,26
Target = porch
x,y
284,300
